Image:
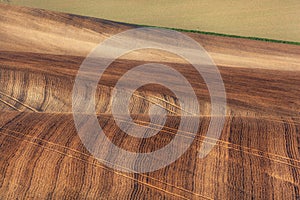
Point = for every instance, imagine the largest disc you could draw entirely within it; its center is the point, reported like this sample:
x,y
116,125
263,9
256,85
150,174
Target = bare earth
x,y
274,19
42,157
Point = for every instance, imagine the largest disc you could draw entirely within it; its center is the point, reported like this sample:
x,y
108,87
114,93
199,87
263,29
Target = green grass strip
x,y
204,32
226,35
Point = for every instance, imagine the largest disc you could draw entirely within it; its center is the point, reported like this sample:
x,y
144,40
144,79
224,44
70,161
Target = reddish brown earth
x,y
41,155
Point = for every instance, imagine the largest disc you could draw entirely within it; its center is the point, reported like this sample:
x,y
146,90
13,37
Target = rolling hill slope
x,y
272,19
41,155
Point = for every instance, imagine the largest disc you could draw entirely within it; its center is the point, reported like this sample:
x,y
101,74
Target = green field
x,y
273,19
